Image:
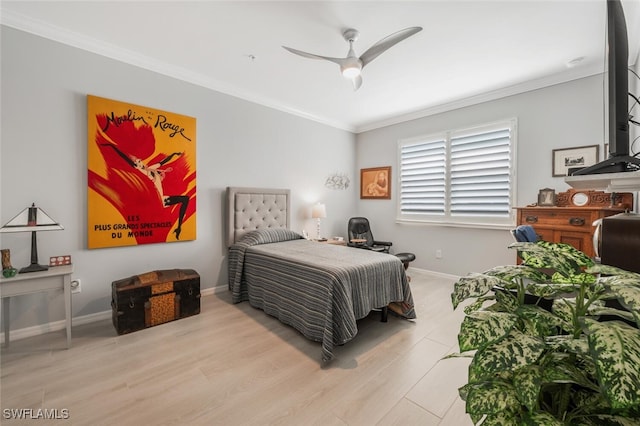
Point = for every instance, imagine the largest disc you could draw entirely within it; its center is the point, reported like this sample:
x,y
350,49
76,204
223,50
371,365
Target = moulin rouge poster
x,y
141,175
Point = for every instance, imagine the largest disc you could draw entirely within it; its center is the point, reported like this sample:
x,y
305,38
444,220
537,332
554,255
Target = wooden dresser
x,y
571,220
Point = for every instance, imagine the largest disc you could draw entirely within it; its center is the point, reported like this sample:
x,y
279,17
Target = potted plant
x,y
541,353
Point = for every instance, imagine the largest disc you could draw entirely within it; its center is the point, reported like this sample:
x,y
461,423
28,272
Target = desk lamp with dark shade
x,y
32,219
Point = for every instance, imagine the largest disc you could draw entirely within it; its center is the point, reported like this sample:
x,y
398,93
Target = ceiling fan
x,y
351,66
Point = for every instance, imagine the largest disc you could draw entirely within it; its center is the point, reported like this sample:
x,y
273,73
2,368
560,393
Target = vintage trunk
x,y
154,298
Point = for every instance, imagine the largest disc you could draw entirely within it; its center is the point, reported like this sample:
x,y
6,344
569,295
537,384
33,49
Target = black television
x,y
618,159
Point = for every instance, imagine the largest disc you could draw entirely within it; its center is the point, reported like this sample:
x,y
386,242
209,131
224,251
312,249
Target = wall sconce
x,y
32,219
318,211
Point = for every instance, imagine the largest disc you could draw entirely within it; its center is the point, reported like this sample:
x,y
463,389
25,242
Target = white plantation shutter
x,y
461,177
480,174
422,185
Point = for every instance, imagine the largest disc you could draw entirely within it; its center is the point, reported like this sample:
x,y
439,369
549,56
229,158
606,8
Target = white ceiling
x,y
468,51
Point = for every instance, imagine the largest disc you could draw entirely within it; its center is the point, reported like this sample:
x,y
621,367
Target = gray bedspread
x,y
319,289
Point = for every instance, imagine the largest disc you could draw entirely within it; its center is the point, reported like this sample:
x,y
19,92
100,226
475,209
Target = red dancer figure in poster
x,y
156,175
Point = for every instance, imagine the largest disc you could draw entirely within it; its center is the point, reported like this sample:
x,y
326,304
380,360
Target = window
x,y
461,177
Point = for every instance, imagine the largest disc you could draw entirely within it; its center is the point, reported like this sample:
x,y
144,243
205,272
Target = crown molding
x,y
70,38
528,86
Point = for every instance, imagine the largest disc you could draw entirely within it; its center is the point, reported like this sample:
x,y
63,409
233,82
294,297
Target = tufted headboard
x,y
255,208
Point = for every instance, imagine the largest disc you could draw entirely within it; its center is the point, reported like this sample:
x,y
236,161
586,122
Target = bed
x,y
319,289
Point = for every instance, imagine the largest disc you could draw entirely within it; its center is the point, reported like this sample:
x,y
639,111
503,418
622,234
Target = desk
x,y
56,278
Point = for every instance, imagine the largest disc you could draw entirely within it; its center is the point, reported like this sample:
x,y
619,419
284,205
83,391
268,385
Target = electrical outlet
x,y
438,254
76,286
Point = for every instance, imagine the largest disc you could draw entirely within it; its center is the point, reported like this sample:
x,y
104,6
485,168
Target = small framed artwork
x,y
375,183
569,158
547,197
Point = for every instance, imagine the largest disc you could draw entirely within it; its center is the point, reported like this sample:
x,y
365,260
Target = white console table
x,y
55,278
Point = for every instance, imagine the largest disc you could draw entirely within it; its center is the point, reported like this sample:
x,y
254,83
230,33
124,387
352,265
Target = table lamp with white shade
x,y
32,219
318,211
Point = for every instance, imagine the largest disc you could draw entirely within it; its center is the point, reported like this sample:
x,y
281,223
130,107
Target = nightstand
x,y
332,241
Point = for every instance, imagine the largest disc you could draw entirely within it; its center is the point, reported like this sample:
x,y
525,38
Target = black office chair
x,y
359,235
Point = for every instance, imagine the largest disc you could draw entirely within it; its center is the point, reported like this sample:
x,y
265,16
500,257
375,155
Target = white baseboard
x,y
37,330
438,274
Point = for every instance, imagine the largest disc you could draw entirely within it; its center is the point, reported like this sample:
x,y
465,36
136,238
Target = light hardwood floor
x,y
234,365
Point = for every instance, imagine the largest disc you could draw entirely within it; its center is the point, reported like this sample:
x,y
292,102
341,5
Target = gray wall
x,y
43,160
560,116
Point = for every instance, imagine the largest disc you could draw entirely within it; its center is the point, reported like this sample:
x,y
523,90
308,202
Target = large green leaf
x,y
527,382
624,314
568,343
551,290
501,419
606,420
615,348
483,327
564,260
540,418
506,302
564,371
565,310
513,273
573,278
530,249
627,291
590,402
568,252
478,304
514,351
490,397
538,321
626,280
473,285
611,270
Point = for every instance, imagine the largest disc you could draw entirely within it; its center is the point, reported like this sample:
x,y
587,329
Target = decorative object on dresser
x,y
571,220
32,219
154,298
587,198
579,157
547,197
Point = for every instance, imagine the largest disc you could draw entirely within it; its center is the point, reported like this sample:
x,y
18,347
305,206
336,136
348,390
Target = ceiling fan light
x,y
351,72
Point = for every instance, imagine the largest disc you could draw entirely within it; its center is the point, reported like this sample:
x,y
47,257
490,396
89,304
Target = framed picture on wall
x,y
569,158
141,175
375,183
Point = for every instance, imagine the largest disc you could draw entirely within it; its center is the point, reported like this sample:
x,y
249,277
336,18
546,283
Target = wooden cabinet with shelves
x,y
572,224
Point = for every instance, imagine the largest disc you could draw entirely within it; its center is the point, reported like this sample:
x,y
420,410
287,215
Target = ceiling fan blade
x,y
338,61
387,42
